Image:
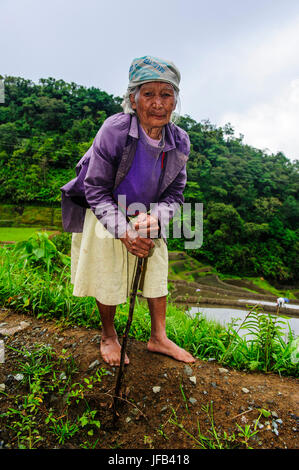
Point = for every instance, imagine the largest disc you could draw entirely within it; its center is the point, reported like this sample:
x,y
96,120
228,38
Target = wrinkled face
x,y
154,104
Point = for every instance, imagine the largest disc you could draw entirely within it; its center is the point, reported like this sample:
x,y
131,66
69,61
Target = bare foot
x,y
110,350
168,347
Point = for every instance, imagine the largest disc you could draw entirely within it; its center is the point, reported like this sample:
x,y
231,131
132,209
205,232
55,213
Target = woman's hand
x,y
137,245
147,226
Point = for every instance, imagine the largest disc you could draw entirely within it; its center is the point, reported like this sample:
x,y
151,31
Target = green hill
x,y
250,198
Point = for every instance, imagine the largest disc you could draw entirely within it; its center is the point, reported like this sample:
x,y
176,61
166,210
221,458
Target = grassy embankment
x,y
35,279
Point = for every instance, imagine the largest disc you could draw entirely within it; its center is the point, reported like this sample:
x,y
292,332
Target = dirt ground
x,y
144,421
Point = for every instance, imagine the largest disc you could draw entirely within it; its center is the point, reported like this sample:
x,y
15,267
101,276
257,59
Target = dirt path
x,y
155,385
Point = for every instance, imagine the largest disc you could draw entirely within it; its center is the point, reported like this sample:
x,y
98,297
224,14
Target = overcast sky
x,y
239,59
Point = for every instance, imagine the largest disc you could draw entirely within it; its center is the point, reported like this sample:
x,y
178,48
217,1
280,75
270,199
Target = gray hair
x,y
127,107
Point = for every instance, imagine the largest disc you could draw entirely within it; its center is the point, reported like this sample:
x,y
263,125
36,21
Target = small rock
x,y
192,400
10,331
276,432
279,421
188,371
19,377
62,376
94,364
193,379
274,414
128,419
205,392
156,389
2,387
222,370
214,384
211,359
245,390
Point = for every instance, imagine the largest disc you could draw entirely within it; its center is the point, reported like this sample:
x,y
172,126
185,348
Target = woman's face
x,y
154,105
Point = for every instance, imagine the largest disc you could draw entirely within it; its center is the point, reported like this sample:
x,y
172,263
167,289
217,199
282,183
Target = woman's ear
x,y
133,102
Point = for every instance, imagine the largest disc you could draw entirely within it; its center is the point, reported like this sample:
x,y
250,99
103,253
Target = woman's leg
x,y
110,348
158,341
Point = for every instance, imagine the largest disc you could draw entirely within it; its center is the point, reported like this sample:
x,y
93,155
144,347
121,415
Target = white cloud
x,y
274,54
271,125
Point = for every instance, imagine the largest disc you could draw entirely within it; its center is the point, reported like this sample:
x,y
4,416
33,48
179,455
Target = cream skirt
x,y
101,266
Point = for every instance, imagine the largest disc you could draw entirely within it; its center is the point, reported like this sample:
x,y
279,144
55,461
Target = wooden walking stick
x,y
125,337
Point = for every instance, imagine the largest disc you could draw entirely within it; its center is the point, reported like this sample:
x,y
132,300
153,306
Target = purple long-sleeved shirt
x,y
141,184
106,165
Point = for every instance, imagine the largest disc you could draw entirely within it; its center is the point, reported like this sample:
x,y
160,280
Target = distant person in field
x,y
280,302
129,185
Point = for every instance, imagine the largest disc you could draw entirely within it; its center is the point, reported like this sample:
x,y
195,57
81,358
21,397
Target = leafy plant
x,y
39,250
47,373
62,429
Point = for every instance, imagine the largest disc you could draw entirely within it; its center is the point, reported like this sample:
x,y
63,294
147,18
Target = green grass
x,y
39,283
32,419
263,284
259,282
17,234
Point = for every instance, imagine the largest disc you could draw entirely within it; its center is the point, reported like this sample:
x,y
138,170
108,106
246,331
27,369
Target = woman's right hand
x,y
137,245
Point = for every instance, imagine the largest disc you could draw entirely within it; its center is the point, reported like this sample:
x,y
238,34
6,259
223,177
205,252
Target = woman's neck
x,y
153,132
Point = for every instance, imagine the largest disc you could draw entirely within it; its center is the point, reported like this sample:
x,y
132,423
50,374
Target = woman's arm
x,y
98,184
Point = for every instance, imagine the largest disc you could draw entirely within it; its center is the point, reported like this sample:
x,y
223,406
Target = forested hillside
x,y
251,203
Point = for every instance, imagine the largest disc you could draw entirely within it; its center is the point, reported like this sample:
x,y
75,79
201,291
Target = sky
x,y
239,59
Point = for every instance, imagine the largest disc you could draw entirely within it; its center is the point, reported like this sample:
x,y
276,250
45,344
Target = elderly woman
x,y
128,185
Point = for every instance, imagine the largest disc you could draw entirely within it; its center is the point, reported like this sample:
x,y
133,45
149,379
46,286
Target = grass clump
x,y
215,438
50,406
